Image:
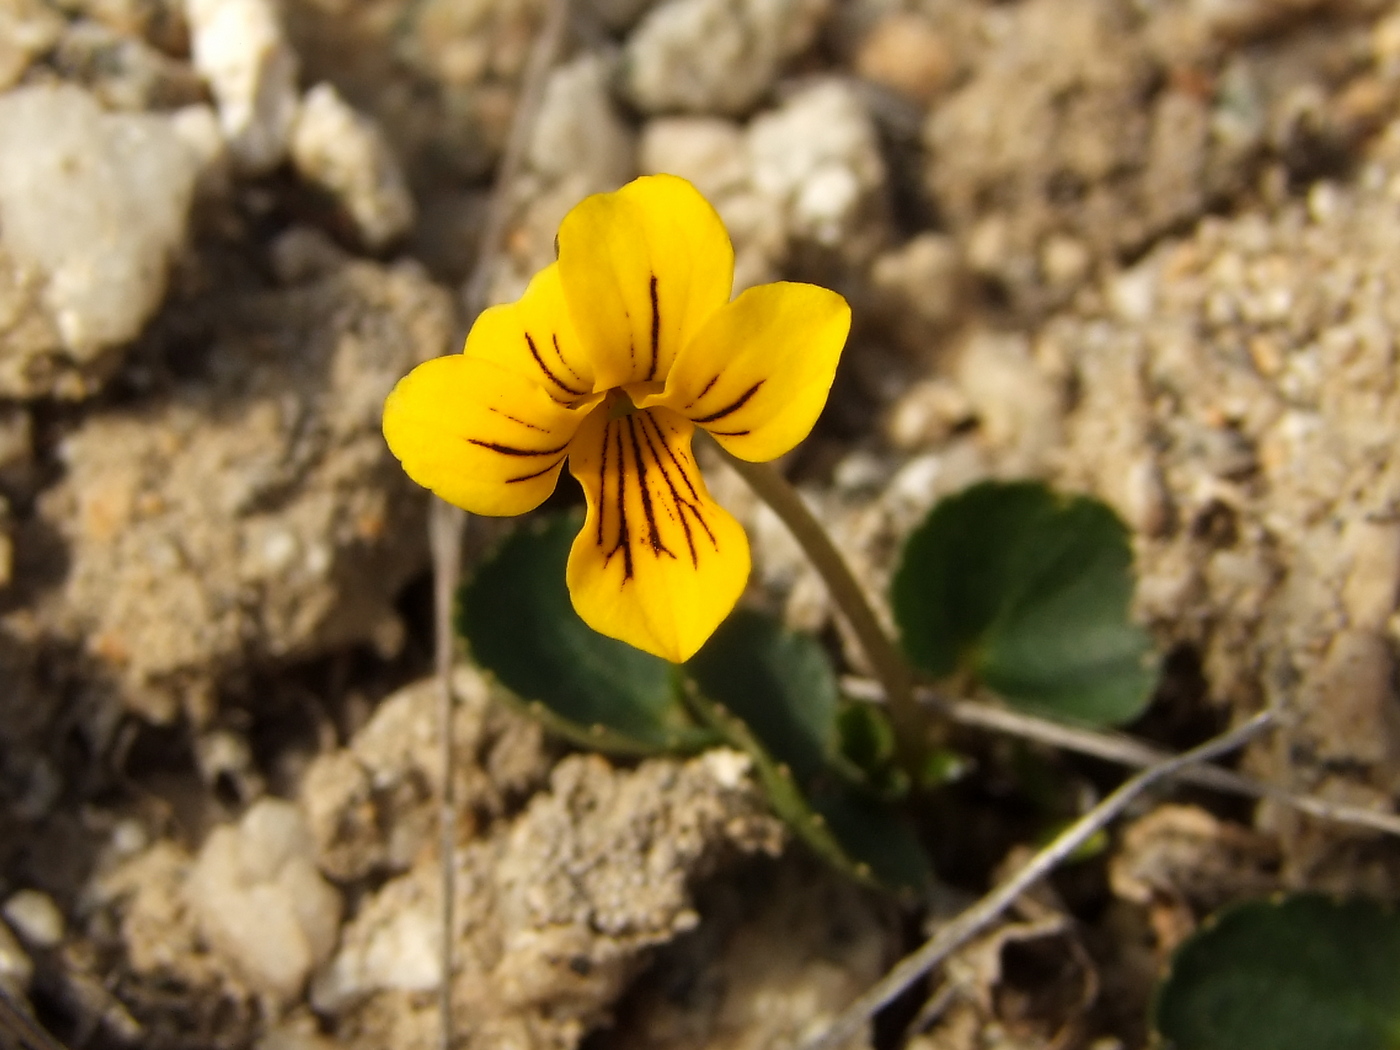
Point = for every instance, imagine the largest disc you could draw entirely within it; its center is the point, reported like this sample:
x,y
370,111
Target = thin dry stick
x,y
889,667
1125,751
445,526
446,523
986,911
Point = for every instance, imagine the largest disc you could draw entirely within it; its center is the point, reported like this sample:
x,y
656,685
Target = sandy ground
x,y
1144,249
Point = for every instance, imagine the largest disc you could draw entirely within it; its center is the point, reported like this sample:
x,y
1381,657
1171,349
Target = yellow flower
x,y
610,360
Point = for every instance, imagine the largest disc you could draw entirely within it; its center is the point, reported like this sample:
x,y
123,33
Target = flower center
x,y
618,403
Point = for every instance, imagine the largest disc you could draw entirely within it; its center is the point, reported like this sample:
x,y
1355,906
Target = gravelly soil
x,y
1141,249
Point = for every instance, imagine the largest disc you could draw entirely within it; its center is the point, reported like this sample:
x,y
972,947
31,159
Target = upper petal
x,y
758,373
659,563
642,269
535,338
481,436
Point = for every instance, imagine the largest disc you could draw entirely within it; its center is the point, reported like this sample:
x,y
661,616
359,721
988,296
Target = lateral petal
x,y
642,269
659,563
481,436
535,338
757,374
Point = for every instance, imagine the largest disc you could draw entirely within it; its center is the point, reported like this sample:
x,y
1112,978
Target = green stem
x,y
889,667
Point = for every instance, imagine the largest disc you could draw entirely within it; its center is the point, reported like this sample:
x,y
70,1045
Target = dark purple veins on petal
x,y
655,330
535,353
733,406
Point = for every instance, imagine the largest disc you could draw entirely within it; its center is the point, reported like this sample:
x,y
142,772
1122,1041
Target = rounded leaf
x,y
1303,973
1028,591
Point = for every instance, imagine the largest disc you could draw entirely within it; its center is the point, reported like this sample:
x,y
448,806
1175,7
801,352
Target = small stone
x,y
1065,260
239,47
708,151
1134,293
904,52
260,902
35,917
921,277
926,414
715,56
345,152
1147,504
92,206
818,157
577,132
392,944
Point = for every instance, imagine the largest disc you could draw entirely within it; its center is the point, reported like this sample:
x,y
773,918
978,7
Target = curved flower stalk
x,y
609,361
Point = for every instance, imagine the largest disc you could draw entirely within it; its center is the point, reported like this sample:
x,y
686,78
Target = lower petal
x,y
480,436
659,564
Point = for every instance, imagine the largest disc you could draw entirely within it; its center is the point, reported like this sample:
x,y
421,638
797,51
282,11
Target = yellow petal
x,y
642,269
659,563
535,338
485,438
757,374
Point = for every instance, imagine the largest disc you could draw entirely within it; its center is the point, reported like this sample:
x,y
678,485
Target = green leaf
x,y
773,694
1028,592
1304,973
779,682
516,615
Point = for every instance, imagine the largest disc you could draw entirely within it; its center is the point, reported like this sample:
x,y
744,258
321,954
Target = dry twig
x,y
1125,751
986,911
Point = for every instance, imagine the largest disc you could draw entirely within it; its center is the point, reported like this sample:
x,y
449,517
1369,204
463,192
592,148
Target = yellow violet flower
x,y
610,360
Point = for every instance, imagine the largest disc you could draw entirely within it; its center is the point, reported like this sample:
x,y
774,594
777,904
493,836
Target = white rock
x,y
715,56
35,917
346,153
709,151
818,157
239,47
397,946
577,129
260,902
93,204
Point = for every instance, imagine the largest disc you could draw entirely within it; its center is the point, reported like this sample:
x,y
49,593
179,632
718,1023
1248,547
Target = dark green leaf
x,y
517,617
779,682
1028,592
773,693
1305,973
